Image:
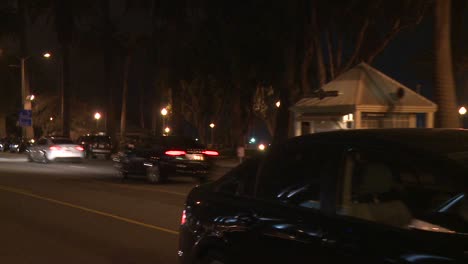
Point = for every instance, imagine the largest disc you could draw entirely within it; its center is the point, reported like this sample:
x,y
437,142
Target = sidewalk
x,y
226,162
13,157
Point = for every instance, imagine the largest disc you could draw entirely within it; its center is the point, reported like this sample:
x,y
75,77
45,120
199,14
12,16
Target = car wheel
x,y
153,175
213,257
44,158
122,174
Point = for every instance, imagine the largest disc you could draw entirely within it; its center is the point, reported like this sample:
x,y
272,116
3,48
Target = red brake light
x,y
80,148
183,220
175,152
210,152
55,148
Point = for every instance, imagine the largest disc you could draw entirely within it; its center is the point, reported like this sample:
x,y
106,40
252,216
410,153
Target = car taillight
x,y
80,148
183,220
55,148
210,152
175,152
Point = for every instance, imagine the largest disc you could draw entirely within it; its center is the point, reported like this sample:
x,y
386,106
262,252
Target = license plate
x,y
194,156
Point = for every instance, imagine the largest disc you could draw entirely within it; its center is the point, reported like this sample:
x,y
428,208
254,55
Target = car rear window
x,y
180,142
62,141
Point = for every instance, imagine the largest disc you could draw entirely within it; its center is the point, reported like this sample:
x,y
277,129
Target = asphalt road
x,y
84,213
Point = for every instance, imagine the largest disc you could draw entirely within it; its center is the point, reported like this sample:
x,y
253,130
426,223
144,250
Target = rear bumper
x,y
63,155
188,167
101,151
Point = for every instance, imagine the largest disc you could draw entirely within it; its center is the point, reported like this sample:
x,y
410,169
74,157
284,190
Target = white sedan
x,y
49,149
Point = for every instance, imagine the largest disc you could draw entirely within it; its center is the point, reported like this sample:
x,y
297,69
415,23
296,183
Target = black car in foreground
x,y
165,156
357,196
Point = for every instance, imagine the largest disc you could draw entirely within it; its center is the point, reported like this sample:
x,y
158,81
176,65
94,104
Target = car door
x,y
293,186
226,215
37,149
387,208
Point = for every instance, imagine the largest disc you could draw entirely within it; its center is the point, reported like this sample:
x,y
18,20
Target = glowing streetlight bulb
x,y
278,104
261,147
212,125
167,130
51,118
97,116
462,110
164,111
47,55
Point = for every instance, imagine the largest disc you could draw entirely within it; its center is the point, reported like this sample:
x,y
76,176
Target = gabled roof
x,y
367,89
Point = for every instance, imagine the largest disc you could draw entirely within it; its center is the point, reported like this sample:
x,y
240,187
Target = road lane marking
x,y
124,219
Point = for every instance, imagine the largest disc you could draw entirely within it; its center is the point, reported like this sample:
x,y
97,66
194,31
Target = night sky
x,y
401,60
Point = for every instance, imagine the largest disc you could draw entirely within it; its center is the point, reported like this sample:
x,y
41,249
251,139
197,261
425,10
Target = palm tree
x,y
444,92
64,24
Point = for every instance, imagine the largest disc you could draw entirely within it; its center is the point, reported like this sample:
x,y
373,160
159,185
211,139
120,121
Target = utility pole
x,y
26,131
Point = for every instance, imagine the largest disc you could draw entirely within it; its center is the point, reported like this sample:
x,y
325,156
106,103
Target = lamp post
x,y
462,111
212,125
164,113
26,98
97,116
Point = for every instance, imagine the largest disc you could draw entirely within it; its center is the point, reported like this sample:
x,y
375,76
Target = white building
x,y
367,98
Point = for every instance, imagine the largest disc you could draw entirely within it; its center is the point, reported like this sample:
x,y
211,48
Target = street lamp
x,y
164,112
51,119
278,104
97,116
167,130
27,131
462,111
46,55
212,125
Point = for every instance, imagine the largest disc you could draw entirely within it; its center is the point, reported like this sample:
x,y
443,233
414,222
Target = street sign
x,y
25,118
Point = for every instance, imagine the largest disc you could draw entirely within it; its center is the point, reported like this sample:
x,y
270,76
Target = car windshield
x,y
180,142
62,141
170,142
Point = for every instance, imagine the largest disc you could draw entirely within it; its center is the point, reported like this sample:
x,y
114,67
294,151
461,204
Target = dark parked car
x,y
162,157
96,145
5,144
19,145
360,196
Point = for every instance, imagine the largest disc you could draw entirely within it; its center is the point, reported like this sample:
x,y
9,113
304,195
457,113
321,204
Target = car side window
x,y
240,180
294,174
403,192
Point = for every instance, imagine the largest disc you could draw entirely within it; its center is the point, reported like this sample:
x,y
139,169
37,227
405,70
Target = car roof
x,y
433,140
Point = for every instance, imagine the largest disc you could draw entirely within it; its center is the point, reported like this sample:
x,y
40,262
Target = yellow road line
x,y
124,219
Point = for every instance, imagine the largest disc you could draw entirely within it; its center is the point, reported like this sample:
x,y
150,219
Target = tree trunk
x,y
331,60
444,92
3,132
177,116
64,25
107,57
142,107
305,70
321,71
237,116
123,115
65,90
